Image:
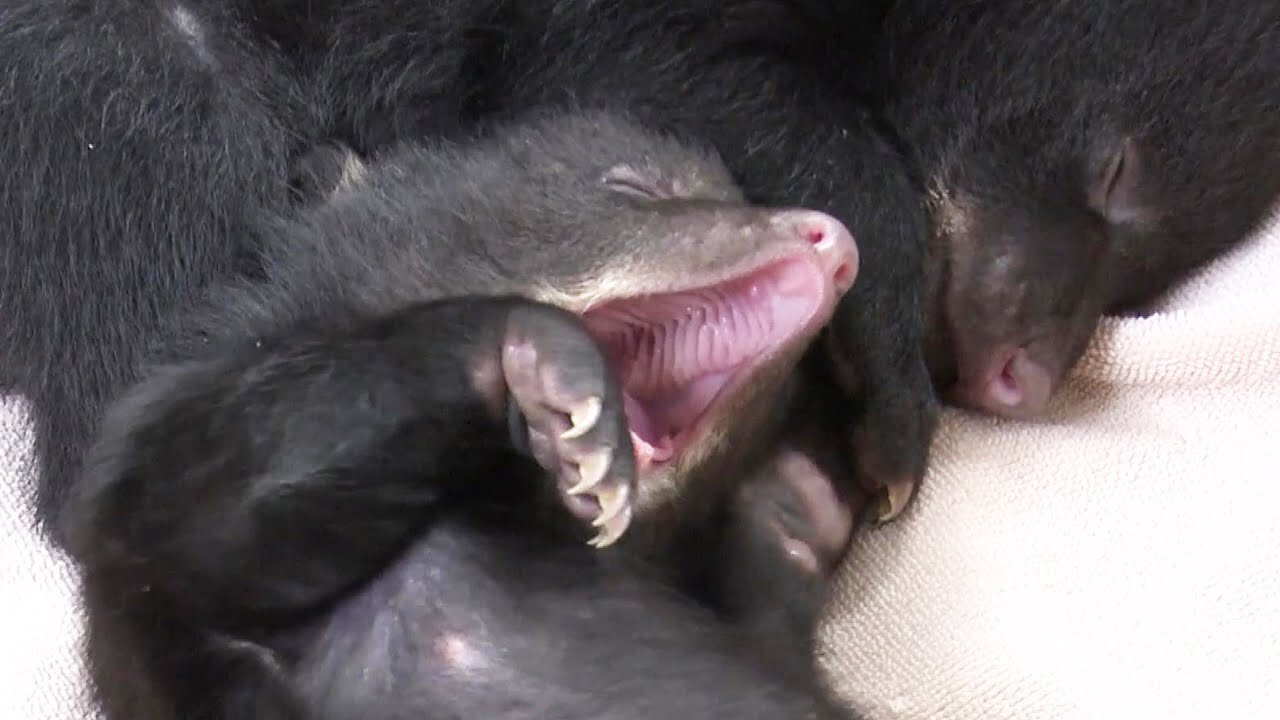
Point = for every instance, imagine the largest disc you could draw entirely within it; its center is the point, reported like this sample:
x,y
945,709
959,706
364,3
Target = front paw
x,y
895,421
891,439
567,409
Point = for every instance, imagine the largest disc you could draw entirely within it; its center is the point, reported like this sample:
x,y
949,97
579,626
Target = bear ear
x,y
1113,186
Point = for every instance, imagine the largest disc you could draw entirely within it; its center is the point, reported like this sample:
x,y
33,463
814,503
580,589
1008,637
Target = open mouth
x,y
680,355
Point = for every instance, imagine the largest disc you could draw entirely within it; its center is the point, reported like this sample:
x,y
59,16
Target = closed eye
x,y
626,181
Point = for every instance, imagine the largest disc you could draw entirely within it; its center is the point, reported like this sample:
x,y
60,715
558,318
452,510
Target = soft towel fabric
x,y
41,672
1120,559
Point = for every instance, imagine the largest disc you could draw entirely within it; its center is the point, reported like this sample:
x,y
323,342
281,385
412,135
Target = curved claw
x,y
591,471
896,496
612,502
613,529
583,418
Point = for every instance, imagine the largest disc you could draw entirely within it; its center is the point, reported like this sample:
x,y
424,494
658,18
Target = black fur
x,y
226,510
312,506
186,115
331,569
766,82
141,141
1084,156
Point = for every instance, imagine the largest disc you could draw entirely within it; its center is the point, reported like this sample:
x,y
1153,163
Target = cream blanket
x,y
41,674
1120,560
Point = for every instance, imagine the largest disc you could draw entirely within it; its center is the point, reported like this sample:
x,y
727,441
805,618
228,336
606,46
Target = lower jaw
x,y
669,450
738,402
672,448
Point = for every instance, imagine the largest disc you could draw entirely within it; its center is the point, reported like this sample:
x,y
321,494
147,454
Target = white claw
x,y
583,418
612,502
896,496
612,531
591,470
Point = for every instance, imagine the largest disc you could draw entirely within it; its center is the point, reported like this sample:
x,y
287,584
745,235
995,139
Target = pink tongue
x,y
681,409
649,446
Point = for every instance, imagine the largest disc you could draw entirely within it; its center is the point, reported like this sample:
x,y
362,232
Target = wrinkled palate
x,y
676,354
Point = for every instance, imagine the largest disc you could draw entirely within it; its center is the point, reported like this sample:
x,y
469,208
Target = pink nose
x,y
835,244
1014,386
